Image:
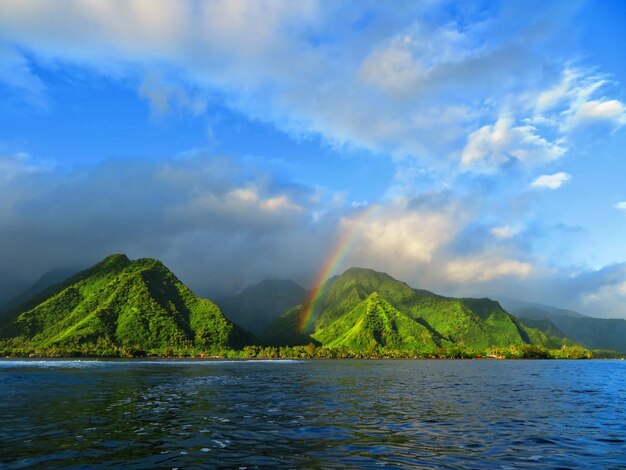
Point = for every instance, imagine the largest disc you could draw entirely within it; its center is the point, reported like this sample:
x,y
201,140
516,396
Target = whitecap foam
x,y
102,363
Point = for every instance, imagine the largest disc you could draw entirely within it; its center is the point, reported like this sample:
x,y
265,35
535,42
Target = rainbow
x,y
330,266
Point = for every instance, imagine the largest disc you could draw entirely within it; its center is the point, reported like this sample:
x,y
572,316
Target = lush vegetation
x,y
124,308
19,347
595,333
402,316
373,323
122,305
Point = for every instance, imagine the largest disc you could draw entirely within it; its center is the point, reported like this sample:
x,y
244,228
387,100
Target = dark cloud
x,y
218,226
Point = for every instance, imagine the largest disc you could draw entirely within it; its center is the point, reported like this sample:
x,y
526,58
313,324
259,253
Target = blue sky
x,y
238,141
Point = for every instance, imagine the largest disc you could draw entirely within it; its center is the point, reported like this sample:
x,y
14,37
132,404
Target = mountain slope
x,y
592,332
138,304
46,281
550,330
478,323
257,306
516,305
374,322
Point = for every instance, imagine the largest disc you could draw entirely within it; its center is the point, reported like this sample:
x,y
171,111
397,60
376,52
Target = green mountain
x,y
592,332
374,321
418,317
257,306
45,282
135,304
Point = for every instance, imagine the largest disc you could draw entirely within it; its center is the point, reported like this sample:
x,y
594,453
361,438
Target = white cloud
x,y
18,165
559,93
415,88
241,208
481,269
608,299
505,232
573,102
217,226
609,110
494,145
393,233
620,206
163,96
220,229
16,72
553,181
392,68
552,121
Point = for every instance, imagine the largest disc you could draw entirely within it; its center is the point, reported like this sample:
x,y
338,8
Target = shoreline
x,y
310,351
275,359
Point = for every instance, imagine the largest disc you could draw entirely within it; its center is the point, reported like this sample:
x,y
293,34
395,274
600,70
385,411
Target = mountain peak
x,y
115,258
138,304
111,262
363,273
150,263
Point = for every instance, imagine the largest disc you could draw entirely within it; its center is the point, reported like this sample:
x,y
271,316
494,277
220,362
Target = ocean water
x,y
313,414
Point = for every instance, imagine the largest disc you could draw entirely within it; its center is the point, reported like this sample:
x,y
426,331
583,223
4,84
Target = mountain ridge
x,y
119,304
135,304
478,323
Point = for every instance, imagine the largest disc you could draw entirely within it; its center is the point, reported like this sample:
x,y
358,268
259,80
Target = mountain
x,y
346,300
136,304
47,280
536,310
374,321
257,306
594,333
552,332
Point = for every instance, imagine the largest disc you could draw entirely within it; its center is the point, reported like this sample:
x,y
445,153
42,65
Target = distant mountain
x,y
138,304
554,334
594,333
50,278
257,306
346,310
536,310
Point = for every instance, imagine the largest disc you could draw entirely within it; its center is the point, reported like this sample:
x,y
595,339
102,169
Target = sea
x,y
376,414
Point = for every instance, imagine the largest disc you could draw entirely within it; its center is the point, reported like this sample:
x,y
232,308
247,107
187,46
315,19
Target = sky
x,y
469,148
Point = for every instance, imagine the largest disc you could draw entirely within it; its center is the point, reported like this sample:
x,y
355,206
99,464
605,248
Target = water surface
x,y
313,414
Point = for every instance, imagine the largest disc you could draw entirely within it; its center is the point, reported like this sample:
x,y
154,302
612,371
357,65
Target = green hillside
x,y
473,323
124,307
118,302
375,322
592,332
285,330
46,281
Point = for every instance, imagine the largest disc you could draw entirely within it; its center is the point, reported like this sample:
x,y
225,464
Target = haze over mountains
x,y
46,280
257,306
142,305
595,333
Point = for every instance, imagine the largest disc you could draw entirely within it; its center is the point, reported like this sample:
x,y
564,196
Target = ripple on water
x,y
333,414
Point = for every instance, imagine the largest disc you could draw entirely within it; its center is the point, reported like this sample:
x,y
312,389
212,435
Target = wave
x,y
102,363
